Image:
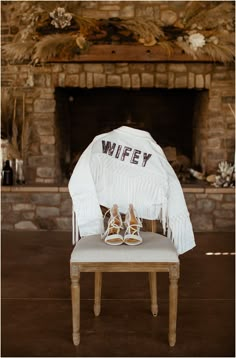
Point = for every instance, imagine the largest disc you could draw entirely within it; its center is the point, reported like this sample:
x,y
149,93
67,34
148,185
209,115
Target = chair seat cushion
x,y
155,248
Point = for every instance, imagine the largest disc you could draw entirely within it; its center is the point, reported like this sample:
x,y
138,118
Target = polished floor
x,y
36,306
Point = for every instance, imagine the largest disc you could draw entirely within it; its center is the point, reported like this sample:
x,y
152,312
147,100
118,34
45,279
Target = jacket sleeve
x,y
82,189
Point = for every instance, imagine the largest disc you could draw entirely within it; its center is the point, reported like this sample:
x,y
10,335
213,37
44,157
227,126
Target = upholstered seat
x,y
155,248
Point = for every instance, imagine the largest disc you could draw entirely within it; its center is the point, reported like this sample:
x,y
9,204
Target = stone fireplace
x,y
196,96
183,103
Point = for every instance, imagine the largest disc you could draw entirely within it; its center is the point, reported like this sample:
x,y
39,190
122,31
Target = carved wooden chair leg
x,y
173,301
153,292
97,293
75,294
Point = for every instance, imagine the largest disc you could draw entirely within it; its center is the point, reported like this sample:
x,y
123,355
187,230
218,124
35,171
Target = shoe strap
x,y
111,222
135,229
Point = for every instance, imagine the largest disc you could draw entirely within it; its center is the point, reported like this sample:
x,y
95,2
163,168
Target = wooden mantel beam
x,y
130,53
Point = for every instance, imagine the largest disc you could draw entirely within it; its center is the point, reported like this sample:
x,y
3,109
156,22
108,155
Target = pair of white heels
x,y
132,223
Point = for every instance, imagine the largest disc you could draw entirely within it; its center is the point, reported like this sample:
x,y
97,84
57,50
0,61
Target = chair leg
x,y
153,292
173,302
97,293
75,296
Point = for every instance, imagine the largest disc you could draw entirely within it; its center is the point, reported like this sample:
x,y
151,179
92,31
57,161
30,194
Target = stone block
x,y
99,80
135,80
126,81
43,161
45,198
72,80
127,11
6,226
93,67
66,208
109,68
14,198
47,211
47,149
177,67
161,80
206,205
122,69
214,143
44,105
199,81
45,128
47,139
25,225
113,81
161,67
229,198
57,67
201,222
61,79
228,206
46,223
225,224
109,7
23,207
28,215
224,214
216,197
64,223
89,80
181,81
208,80
39,80
82,80
191,80
214,104
45,172
73,68
171,80
147,80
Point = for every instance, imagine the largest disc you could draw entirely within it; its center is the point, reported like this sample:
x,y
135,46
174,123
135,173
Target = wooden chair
x,y
156,254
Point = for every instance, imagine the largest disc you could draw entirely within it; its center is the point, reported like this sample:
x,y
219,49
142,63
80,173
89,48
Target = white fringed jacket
x,y
127,166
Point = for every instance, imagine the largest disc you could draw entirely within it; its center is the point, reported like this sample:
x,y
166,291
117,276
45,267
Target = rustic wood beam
x,y
130,53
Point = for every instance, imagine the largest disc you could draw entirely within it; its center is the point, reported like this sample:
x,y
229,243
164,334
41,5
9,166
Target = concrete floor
x,y
36,306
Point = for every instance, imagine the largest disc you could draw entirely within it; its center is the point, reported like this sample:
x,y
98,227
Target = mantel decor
x,y
48,32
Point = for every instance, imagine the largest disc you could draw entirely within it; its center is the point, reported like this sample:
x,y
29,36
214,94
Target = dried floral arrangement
x,y
16,128
206,28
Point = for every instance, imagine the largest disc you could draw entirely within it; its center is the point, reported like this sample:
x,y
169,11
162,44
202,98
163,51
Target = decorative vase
x,y
20,179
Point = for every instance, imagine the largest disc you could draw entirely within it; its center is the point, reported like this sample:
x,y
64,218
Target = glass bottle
x,y
20,179
7,174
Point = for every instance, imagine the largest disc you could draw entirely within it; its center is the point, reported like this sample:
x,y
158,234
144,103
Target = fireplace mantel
x,y
130,53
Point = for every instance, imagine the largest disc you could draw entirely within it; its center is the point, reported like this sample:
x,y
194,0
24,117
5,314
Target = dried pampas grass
x,y
53,46
143,27
220,52
19,51
167,46
185,47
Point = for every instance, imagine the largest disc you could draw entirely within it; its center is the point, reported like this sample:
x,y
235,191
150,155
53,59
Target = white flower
x,y
196,40
60,17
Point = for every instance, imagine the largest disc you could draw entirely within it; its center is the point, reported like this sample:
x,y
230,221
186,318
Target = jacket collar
x,y
134,132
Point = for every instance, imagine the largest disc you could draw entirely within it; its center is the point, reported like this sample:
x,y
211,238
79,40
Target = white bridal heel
x,y
133,225
112,234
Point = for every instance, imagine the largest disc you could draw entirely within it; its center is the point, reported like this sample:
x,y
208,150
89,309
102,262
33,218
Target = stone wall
x,y
49,208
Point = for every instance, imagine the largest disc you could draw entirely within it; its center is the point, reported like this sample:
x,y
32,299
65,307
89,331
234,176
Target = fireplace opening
x,y
172,116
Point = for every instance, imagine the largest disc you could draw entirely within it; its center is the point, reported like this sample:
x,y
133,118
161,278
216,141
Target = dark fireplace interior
x,y
170,116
